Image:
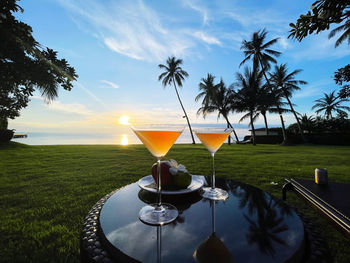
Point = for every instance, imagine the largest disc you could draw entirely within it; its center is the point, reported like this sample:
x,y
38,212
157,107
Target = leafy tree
x,y
323,14
340,76
262,56
280,78
329,104
26,66
216,98
174,74
247,97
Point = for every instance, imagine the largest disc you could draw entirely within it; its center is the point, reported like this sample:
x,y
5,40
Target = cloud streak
x,y
135,30
110,84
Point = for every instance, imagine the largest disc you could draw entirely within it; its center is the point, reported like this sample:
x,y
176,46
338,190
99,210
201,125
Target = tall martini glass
x,y
158,140
213,138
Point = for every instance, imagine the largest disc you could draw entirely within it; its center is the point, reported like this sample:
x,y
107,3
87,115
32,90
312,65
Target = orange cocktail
x,y
157,142
212,140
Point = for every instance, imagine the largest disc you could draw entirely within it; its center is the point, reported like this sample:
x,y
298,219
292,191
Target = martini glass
x,y
158,140
213,138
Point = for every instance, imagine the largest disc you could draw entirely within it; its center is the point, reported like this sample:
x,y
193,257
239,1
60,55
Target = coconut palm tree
x,y
262,56
308,123
207,89
216,97
345,35
174,74
330,103
280,78
247,97
265,103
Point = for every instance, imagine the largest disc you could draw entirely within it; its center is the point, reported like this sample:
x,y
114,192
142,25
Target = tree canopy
x,y
340,76
26,65
324,13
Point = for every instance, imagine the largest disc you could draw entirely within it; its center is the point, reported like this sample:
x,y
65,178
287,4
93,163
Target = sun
x,y
124,120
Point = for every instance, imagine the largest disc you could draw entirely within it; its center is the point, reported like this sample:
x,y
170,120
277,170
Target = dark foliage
x,y
340,76
323,13
26,66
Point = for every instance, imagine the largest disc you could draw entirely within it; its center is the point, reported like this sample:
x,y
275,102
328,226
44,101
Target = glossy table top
x,y
250,226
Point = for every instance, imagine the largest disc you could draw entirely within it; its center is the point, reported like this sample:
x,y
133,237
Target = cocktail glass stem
x,y
159,188
213,176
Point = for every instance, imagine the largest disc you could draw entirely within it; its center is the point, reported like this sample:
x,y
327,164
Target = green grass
x,y
46,191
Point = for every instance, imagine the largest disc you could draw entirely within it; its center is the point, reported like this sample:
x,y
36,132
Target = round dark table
x,y
250,226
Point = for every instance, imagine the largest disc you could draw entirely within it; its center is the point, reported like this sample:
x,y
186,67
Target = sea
x,y
121,136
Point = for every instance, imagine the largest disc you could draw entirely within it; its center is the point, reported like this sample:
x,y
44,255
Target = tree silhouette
x,y
262,56
216,98
329,104
280,78
174,74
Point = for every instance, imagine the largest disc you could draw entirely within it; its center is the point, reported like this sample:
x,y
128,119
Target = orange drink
x,y
213,138
157,142
212,141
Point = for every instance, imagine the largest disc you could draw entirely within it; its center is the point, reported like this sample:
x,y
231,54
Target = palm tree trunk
x,y
253,129
229,137
278,108
188,121
283,128
229,124
265,120
295,115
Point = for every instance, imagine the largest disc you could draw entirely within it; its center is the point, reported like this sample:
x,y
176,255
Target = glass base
x,y
154,215
214,193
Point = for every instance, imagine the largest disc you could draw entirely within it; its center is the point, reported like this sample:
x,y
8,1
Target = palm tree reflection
x,y
265,216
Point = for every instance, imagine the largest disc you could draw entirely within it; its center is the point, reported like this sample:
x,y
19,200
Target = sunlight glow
x,y
124,140
124,120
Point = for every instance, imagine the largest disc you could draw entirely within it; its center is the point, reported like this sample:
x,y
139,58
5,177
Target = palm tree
x,y
174,74
286,82
247,97
330,103
206,88
216,97
262,56
265,103
308,122
344,36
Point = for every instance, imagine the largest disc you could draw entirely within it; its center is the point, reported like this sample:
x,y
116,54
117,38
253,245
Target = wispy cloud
x,y
135,30
71,108
314,90
110,84
130,28
207,38
92,95
198,8
252,19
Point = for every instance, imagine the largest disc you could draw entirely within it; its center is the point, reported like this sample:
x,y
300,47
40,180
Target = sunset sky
x,y
116,46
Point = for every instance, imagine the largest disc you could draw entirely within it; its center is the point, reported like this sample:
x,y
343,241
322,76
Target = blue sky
x,y
116,46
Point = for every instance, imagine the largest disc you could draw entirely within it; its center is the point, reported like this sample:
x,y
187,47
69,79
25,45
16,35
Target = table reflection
x,y
250,226
213,249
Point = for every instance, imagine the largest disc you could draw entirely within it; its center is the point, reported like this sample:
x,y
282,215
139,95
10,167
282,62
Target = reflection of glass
x,y
159,244
213,138
213,249
158,140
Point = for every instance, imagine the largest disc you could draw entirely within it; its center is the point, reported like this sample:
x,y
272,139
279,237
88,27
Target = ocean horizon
x,y
122,136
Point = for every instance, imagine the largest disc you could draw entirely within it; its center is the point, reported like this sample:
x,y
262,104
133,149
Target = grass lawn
x,y
46,191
